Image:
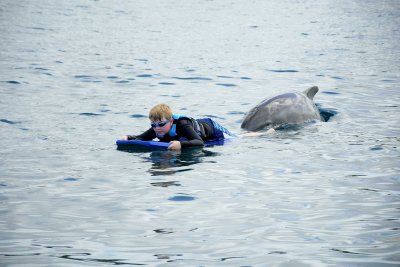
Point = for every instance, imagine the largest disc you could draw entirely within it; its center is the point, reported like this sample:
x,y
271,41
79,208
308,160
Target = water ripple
x,y
226,84
283,71
9,122
192,78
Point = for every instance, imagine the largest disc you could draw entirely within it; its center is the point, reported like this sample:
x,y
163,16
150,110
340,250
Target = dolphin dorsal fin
x,y
310,92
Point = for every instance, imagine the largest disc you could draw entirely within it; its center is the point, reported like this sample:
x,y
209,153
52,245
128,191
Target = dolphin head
x,y
255,120
262,115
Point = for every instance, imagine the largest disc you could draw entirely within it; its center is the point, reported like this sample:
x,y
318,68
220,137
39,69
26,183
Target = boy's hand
x,y
174,145
125,137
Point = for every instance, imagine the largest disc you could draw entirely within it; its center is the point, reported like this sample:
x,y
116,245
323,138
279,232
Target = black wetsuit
x,y
184,130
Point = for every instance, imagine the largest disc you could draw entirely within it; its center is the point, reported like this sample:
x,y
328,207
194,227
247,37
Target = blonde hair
x,y
160,111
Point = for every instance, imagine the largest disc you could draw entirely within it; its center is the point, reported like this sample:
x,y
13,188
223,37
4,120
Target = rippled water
x,y
76,75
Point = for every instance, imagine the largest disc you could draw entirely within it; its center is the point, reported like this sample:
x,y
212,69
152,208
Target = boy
x,y
180,130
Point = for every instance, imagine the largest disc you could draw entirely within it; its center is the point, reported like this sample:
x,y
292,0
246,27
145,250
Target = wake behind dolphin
x,y
288,108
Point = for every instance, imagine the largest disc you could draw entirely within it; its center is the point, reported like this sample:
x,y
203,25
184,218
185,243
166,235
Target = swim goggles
x,y
159,124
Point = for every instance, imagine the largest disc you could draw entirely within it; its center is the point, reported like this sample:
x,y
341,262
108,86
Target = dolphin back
x,y
287,108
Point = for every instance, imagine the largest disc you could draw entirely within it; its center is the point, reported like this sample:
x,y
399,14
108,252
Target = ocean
x,y
77,75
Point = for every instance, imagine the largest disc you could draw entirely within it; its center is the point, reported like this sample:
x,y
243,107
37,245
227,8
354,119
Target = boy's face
x,y
162,127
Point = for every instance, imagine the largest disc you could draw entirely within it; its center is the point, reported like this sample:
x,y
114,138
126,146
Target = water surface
x,y
76,75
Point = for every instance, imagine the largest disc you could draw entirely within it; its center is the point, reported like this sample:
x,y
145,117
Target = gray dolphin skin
x,y
288,108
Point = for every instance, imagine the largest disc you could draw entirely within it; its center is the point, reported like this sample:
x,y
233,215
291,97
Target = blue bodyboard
x,y
140,143
159,145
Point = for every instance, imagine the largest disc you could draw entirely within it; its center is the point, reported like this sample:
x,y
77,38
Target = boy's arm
x,y
146,136
185,129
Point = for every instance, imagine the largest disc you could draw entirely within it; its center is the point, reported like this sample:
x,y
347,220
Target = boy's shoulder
x,y
184,122
183,119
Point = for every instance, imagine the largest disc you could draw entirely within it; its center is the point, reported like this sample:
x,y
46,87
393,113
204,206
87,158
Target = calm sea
x,y
77,75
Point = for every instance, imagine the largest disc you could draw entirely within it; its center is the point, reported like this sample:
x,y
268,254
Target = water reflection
x,y
171,162
165,162
166,184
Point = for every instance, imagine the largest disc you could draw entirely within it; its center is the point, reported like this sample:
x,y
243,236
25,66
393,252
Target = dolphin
x,y
287,108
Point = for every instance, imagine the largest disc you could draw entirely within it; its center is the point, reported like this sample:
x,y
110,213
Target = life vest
x,y
197,127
